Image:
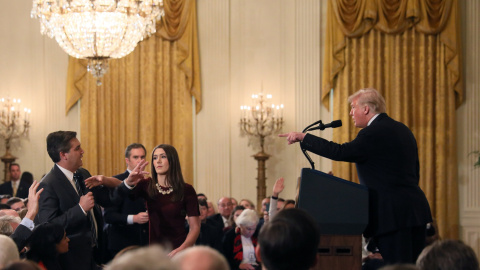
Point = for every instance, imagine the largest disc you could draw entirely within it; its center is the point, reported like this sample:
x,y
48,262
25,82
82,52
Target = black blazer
x,y
216,221
386,157
121,234
59,204
22,191
20,236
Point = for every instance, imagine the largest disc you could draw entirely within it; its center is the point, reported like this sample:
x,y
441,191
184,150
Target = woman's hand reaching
x,y
137,173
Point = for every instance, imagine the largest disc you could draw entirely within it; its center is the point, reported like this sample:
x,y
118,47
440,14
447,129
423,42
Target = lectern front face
x,y
339,206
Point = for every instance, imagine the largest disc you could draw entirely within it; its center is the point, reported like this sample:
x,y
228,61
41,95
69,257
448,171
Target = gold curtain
x,y
410,51
145,97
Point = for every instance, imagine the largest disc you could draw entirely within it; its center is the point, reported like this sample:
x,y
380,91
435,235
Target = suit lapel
x,y
64,185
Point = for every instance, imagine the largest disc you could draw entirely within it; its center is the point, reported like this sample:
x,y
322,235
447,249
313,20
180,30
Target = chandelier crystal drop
x,y
97,29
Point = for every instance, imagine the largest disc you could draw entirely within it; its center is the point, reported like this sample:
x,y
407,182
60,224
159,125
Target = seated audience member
x,y
47,242
23,229
4,198
247,204
8,224
289,204
8,251
211,209
400,267
289,241
275,204
200,258
448,255
202,196
234,202
27,177
16,203
145,258
220,220
22,265
234,215
209,235
239,243
15,187
264,212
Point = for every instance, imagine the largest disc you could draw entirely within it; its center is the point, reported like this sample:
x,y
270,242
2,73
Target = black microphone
x,y
333,124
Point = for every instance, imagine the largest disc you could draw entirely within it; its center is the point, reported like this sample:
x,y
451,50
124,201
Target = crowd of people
x,y
72,220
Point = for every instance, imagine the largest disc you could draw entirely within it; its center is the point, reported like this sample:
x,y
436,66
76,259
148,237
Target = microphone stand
x,y
312,164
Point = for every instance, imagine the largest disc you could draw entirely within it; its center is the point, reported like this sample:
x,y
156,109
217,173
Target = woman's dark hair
x,y
43,242
27,177
230,218
174,174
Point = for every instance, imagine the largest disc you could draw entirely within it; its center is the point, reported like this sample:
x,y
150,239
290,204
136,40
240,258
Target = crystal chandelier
x,y
97,29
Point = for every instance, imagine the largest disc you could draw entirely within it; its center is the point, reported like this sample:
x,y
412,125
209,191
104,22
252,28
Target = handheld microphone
x,y
333,124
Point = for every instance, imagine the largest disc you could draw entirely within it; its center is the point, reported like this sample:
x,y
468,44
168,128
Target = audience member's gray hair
x,y
8,251
147,258
5,226
448,255
201,258
247,218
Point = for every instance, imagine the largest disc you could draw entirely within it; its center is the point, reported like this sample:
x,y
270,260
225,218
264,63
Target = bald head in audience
x,y
201,258
8,251
148,258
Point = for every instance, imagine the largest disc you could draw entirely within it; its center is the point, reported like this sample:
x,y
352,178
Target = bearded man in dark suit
x,y
386,156
66,201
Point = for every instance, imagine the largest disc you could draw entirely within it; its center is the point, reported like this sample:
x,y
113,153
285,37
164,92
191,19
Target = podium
x,y
340,208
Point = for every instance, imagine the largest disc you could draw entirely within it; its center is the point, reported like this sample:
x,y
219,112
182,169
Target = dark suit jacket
x,y
22,191
59,204
20,236
121,234
216,221
386,157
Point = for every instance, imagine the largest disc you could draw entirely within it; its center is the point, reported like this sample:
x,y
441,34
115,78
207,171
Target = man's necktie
x,y
14,191
77,177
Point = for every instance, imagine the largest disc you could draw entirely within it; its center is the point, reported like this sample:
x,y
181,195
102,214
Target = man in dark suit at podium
x,y
386,156
128,222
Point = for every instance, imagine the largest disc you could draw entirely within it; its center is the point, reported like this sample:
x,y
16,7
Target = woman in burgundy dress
x,y
168,199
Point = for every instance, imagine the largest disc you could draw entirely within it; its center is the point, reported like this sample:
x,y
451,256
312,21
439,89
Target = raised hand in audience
x,y
278,187
32,204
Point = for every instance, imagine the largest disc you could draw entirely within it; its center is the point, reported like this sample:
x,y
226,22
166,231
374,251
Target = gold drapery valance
x,y
353,19
146,97
410,51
